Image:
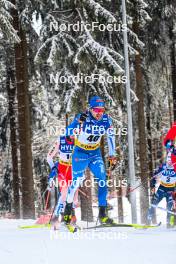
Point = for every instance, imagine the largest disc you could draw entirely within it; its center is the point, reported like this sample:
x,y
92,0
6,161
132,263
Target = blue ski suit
x,y
87,154
165,189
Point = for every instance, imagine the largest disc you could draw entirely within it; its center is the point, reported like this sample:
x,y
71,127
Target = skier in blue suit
x,y
166,189
90,127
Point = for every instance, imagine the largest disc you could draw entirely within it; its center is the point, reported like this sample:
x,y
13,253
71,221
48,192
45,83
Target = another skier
x,y
166,189
62,148
90,127
169,138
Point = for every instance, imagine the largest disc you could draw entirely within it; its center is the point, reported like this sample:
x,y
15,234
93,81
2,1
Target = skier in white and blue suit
x,y
166,189
90,127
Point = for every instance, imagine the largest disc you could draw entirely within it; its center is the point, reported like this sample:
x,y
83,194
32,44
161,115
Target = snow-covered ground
x,y
115,245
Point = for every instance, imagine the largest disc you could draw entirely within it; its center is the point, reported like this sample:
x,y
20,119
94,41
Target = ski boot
x,y
68,213
73,216
68,217
103,217
170,222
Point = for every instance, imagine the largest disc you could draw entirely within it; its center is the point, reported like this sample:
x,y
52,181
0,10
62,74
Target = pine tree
x,y
24,125
68,53
11,90
6,27
140,18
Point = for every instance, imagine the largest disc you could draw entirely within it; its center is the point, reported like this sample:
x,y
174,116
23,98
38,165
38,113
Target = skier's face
x,y
97,112
169,163
70,139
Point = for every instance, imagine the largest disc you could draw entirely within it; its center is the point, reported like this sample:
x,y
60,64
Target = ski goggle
x,y
169,145
98,110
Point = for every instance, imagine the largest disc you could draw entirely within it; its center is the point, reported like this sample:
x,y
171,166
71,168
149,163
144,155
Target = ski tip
x,y
120,225
75,230
71,228
160,223
35,226
148,226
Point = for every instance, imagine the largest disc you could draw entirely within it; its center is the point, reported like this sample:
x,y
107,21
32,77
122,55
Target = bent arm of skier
x,y
111,144
74,127
156,176
171,134
52,153
53,166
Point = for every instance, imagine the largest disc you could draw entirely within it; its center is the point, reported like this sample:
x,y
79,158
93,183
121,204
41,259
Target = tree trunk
x,y
144,201
11,90
86,200
150,156
66,120
144,197
169,96
24,129
120,203
173,71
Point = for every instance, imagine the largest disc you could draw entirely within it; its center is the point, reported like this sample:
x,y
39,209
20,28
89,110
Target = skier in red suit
x,y
169,142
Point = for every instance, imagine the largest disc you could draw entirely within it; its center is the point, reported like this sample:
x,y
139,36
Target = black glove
x,y
70,139
112,162
174,151
51,177
83,117
55,168
174,195
152,190
54,172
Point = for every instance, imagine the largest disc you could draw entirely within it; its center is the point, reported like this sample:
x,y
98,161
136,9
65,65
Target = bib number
x,y
93,138
168,179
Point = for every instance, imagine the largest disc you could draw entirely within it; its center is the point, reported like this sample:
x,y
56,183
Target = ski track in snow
x,y
44,246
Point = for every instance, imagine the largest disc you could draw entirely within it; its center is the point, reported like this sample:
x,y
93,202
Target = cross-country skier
x,y
167,175
170,137
62,148
90,126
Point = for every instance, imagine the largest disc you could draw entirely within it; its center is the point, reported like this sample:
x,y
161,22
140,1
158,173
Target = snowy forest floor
x,y
115,245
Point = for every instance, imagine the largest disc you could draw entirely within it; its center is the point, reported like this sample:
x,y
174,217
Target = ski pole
x,y
59,194
163,209
54,207
43,198
155,176
52,212
83,193
131,190
44,192
47,200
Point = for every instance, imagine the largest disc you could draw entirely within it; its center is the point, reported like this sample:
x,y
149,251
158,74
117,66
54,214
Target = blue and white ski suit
x,y
87,152
166,188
